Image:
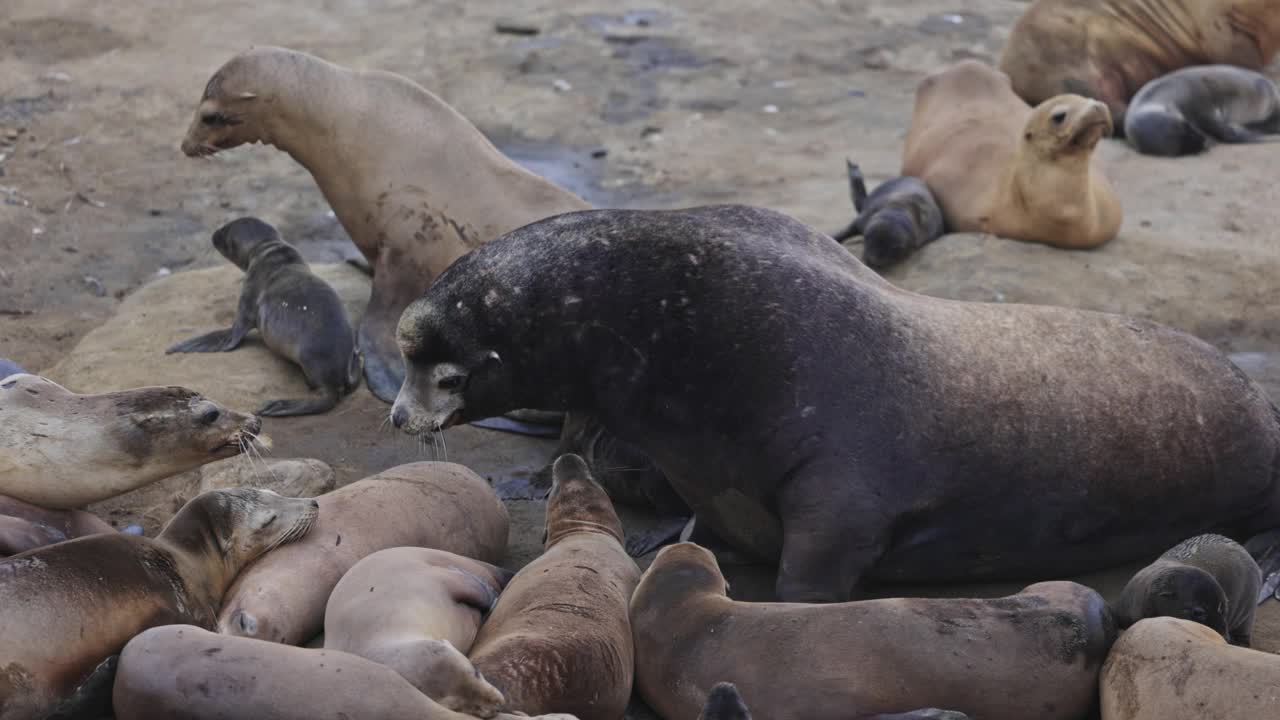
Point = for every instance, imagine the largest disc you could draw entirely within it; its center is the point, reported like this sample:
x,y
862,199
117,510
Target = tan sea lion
x,y
1209,579
413,182
24,526
60,450
1036,653
428,504
1108,49
1172,669
559,640
181,671
996,165
67,607
417,611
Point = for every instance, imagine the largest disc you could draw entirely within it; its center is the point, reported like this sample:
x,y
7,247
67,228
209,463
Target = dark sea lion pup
x,y
814,415
66,608
900,217
298,314
1183,112
1207,579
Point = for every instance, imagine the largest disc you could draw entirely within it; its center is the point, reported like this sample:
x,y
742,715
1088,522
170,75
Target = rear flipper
x,y
922,714
1265,549
858,193
1226,131
659,532
216,341
307,406
92,698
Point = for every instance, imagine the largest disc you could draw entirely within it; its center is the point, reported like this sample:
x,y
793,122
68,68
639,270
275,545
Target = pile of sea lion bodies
x,y
810,415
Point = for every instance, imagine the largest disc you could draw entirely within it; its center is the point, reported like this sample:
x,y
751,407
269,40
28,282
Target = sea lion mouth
x,y
1086,133
454,418
242,441
298,531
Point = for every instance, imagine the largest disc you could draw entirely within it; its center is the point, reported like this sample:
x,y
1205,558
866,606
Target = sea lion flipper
x,y
857,185
216,341
92,698
304,406
662,531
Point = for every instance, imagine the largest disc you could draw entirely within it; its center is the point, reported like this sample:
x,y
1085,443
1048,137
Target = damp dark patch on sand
x,y
581,169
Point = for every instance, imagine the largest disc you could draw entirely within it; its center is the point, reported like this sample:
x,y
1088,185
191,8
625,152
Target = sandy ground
x,y
693,102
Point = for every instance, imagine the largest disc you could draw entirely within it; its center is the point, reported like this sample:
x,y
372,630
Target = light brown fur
x,y
558,639
1034,654
184,671
61,450
417,611
413,182
429,504
998,166
24,526
1172,669
1109,49
67,607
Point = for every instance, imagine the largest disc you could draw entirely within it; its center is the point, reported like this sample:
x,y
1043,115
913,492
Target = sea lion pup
x,y
998,166
410,179
60,450
184,671
417,610
24,526
1182,112
427,504
993,658
952,440
558,640
299,315
897,219
1172,669
1108,49
67,607
1207,579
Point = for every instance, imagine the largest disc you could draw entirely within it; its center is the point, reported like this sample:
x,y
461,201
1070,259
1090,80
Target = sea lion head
x,y
1066,125
241,523
178,427
1190,593
227,115
577,502
724,702
448,378
455,683
239,239
685,569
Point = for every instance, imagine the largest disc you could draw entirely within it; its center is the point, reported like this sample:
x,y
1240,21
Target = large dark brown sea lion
x,y
24,526
428,504
417,611
1033,654
1172,669
411,180
1183,112
813,414
558,640
61,450
67,607
299,316
1109,49
180,671
1207,579
998,166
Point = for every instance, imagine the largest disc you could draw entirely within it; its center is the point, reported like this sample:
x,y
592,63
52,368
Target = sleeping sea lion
x,y
410,179
998,166
299,315
66,608
60,450
897,219
1183,112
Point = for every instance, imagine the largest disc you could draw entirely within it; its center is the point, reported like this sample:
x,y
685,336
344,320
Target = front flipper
x,y
92,698
922,714
383,363
216,341
1265,549
306,406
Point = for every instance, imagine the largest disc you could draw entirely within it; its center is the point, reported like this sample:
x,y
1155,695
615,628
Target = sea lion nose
x,y
315,505
399,416
254,425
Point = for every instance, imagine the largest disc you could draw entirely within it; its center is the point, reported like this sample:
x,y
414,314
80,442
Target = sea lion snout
x,y
1090,123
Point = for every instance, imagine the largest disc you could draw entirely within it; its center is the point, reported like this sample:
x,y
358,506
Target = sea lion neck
x,y
192,534
301,107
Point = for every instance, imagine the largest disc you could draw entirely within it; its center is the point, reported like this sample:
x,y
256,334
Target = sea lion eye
x,y
1059,117
453,382
214,119
210,416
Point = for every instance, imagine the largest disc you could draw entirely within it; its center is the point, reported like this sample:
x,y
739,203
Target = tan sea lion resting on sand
x,y
299,316
180,671
996,165
61,450
413,182
428,504
66,608
1108,49
1036,653
1172,669
417,611
1207,579
24,526
558,639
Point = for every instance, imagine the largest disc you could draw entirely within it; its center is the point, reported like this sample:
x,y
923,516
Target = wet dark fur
x,y
1208,579
809,411
900,217
299,316
1206,104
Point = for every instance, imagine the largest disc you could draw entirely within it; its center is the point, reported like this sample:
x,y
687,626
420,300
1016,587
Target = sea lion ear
x,y
492,358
